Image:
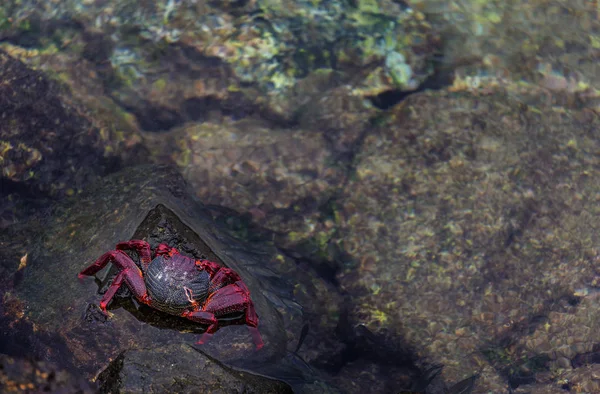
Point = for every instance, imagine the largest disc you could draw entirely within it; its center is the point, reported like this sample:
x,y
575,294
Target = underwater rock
x,y
49,147
51,315
280,177
471,223
484,41
45,143
169,63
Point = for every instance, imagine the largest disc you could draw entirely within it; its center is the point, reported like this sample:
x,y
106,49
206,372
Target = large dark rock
x,y
49,146
179,368
58,315
46,143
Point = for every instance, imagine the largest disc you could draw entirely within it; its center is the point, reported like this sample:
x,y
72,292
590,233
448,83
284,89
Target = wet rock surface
x,y
53,316
45,143
69,328
549,43
179,368
280,177
25,376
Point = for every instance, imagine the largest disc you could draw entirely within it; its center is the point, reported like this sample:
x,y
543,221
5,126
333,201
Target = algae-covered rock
x,y
45,143
472,223
253,168
49,146
546,42
169,63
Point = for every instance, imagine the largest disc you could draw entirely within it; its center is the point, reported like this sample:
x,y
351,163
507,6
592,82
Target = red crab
x,y
199,290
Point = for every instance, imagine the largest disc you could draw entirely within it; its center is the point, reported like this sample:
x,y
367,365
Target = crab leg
x,y
129,273
231,298
118,258
142,248
203,317
223,277
251,318
112,290
209,266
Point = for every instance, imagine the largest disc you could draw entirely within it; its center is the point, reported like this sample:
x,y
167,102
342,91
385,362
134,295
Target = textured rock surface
x,y
49,146
171,63
280,177
180,368
25,376
460,224
472,223
69,328
545,42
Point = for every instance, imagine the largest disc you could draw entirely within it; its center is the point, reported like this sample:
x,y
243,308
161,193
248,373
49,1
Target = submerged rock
x,y
471,221
49,146
170,63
